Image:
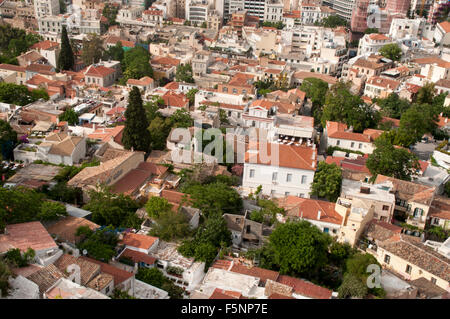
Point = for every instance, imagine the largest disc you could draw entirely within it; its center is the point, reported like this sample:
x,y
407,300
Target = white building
x,y
46,7
281,170
273,11
197,11
372,43
400,28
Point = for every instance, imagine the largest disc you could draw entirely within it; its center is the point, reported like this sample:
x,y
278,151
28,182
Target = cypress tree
x,y
136,134
66,59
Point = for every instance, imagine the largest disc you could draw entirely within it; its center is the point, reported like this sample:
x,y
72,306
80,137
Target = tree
x,y
415,122
148,4
327,181
170,225
92,50
111,209
66,58
159,130
391,161
110,13
62,7
99,244
298,247
136,63
426,94
191,96
391,51
5,273
51,211
70,116
393,106
15,94
342,106
184,73
371,30
268,212
315,90
15,257
8,139
156,206
334,21
352,287
214,198
180,118
115,52
135,134
151,276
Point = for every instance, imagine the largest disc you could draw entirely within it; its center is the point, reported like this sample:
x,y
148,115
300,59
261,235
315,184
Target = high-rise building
x,y
344,8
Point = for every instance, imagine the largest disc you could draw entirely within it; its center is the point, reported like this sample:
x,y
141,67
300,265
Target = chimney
x,y
318,214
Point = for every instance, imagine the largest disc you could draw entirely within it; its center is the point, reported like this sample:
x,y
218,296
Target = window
x,y
360,146
288,177
326,230
252,173
274,176
235,91
225,89
387,259
303,179
418,212
286,194
385,207
408,269
433,280
107,289
353,144
338,142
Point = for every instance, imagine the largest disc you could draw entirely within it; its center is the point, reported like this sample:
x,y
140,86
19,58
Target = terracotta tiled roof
x,y
279,296
165,61
118,274
380,231
309,209
26,235
46,277
38,80
226,294
305,288
88,270
286,108
40,68
66,228
408,190
174,196
172,86
175,99
433,60
299,157
412,250
440,208
445,26
131,181
261,273
12,67
139,241
384,82
45,45
378,37
138,257
99,71
107,133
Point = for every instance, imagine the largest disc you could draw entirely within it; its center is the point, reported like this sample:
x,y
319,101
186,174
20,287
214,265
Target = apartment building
x,y
372,43
44,8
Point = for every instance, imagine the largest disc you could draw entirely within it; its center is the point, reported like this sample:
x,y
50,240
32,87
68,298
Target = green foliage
x,y
393,106
415,122
438,231
92,50
214,198
64,193
339,253
279,25
68,172
154,277
37,94
62,6
135,134
316,90
8,140
136,64
20,205
51,211
371,30
13,42
18,94
391,51
170,226
327,181
70,116
352,287
110,13
210,236
15,257
115,52
184,73
268,212
119,294
100,244
112,209
156,206
298,248
191,96
426,94
342,106
66,58
391,161
5,273
334,21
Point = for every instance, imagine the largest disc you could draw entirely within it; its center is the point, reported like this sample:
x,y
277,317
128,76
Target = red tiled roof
x,y
175,99
300,157
226,294
138,241
445,26
305,288
119,275
309,209
165,61
261,273
137,256
279,296
172,86
45,45
26,235
99,71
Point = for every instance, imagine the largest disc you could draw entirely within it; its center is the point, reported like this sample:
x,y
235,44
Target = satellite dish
x,y
84,252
